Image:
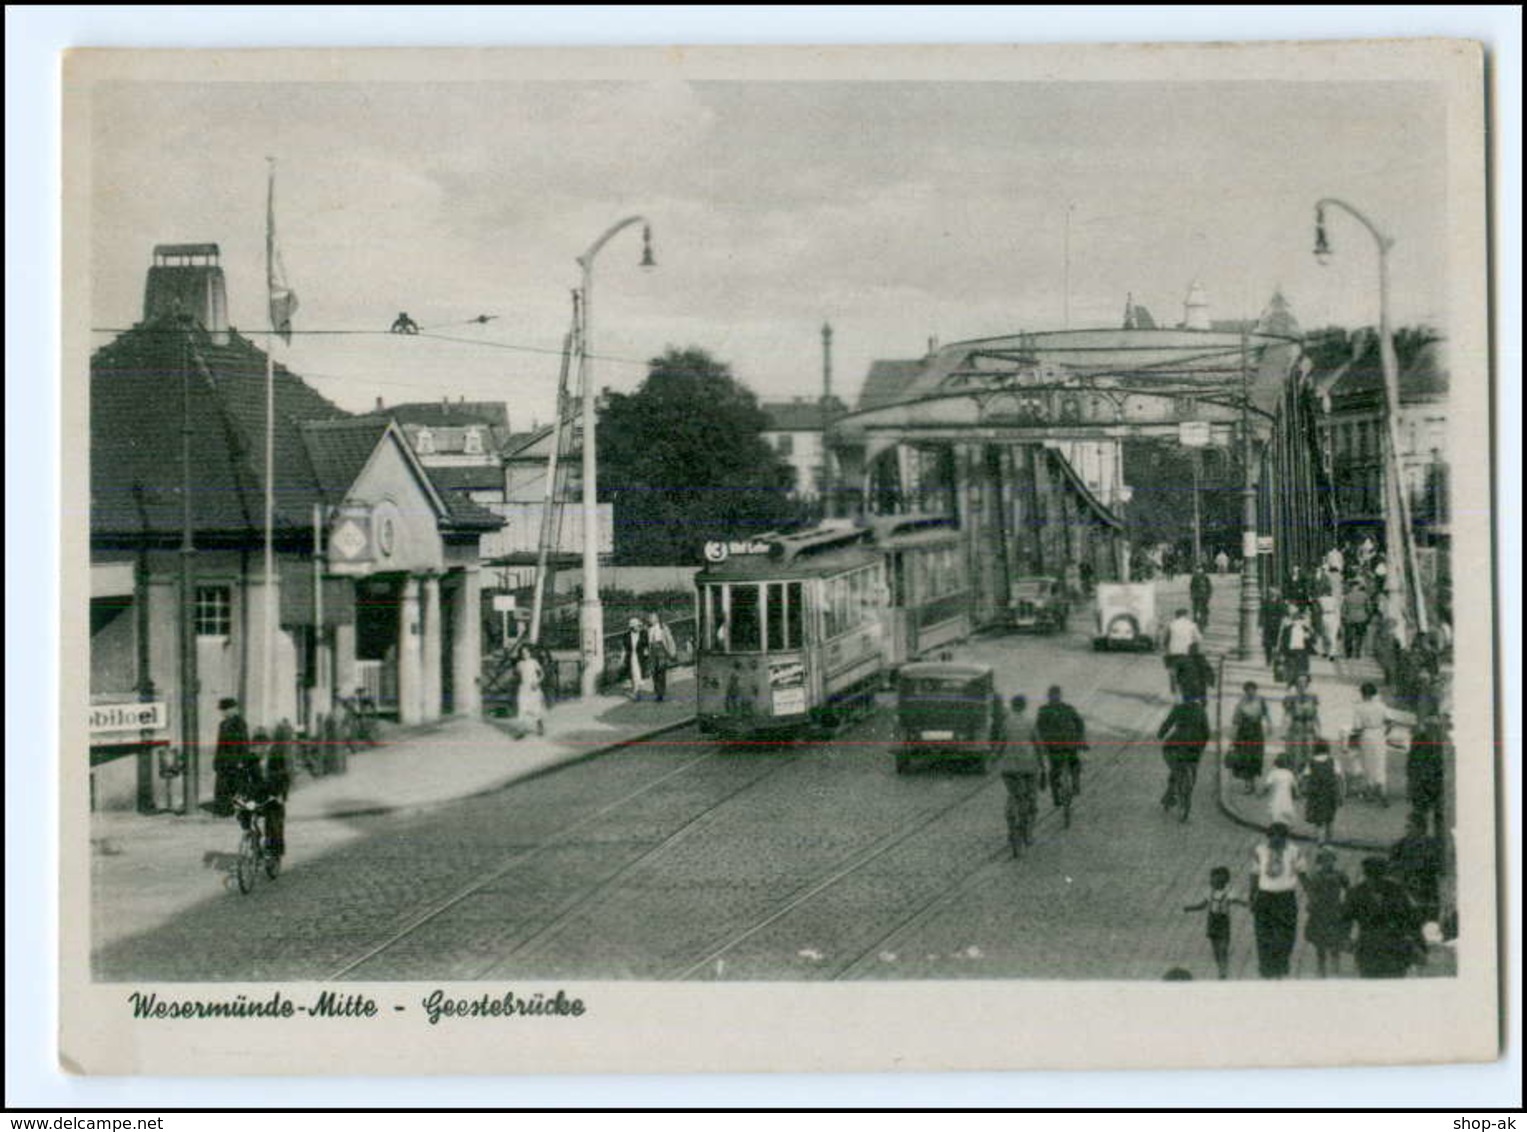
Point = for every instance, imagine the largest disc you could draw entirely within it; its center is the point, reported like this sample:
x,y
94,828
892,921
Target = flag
x,y
283,300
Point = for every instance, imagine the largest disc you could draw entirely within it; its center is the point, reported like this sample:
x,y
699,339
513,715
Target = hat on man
x,y
635,623
227,702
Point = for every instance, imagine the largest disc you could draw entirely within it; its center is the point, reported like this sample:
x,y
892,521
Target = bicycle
x,y
1065,783
254,853
1179,788
1022,809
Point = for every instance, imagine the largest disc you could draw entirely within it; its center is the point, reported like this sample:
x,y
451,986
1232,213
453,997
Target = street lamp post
x,y
1250,552
592,610
1399,546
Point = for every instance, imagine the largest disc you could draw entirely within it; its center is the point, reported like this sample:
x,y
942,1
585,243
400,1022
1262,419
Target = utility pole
x,y
827,478
190,687
549,525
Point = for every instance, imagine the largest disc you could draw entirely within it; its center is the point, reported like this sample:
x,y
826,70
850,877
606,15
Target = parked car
x,y
947,711
1039,603
1126,616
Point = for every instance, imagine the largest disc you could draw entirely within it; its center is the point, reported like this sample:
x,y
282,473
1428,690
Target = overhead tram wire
x,y
456,339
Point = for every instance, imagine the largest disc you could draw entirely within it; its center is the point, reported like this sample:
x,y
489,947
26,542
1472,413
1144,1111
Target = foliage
x,y
684,461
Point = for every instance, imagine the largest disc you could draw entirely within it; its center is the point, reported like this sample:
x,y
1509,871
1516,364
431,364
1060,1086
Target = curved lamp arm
x,y
586,260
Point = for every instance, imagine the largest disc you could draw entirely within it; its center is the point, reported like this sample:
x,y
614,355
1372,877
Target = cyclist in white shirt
x,y
1182,633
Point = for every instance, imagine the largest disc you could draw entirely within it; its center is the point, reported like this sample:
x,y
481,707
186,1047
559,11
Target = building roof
x,y
886,381
438,414
339,449
1358,379
800,414
136,386
467,477
136,413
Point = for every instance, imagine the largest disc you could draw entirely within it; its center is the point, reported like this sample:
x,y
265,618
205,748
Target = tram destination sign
x,y
718,551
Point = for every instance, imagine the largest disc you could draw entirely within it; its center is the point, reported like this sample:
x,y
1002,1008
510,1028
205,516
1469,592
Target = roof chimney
x,y
187,280
379,405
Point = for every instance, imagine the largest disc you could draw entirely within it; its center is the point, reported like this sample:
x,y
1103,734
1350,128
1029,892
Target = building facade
x,y
375,581
795,432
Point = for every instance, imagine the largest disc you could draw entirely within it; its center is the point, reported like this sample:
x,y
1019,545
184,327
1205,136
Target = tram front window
x,y
746,621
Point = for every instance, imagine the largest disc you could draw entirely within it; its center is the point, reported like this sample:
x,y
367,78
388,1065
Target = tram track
x,y
820,885
519,860
876,851
946,897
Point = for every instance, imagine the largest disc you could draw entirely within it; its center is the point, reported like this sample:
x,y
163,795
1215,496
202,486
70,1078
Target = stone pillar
x,y
345,679
466,641
430,685
410,655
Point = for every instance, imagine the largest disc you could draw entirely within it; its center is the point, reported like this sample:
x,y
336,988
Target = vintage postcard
x,y
636,560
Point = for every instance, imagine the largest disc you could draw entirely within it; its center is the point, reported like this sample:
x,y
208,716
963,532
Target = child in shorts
x,y
1217,903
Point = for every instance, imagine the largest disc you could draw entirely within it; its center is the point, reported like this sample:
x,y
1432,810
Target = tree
x,y
684,461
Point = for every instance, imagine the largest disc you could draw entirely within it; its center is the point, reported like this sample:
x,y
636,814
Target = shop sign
x,y
108,718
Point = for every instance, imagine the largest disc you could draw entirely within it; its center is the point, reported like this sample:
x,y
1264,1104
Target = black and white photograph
x,y
638,560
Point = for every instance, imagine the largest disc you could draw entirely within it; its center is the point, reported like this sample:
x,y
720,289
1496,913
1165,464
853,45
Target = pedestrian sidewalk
x,y
146,868
1359,824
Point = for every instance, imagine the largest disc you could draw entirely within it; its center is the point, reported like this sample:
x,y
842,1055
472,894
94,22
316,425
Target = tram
x,y
799,630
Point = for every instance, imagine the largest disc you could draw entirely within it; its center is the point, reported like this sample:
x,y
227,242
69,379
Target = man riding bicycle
x,y
1062,737
1184,734
1023,772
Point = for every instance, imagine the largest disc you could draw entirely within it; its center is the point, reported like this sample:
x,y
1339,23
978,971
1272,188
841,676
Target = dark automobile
x,y
947,711
1039,603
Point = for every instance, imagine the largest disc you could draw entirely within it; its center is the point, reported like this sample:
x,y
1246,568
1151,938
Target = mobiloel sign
x,y
128,717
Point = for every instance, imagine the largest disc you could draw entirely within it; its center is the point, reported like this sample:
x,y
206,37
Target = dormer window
x,y
473,442
425,442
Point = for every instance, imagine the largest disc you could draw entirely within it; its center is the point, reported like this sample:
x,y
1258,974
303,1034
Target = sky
x,y
896,211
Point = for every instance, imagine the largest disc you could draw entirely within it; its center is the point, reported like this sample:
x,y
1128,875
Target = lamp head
x,y
1322,246
647,261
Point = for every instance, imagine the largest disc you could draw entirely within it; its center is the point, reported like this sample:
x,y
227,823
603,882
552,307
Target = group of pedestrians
x,y
648,651
1380,919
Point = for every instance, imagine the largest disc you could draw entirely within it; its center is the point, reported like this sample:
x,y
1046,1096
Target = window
x,y
712,618
214,611
785,445
473,442
425,442
795,615
746,628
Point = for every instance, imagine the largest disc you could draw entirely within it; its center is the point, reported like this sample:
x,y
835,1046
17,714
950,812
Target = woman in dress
x,y
1370,731
634,660
1282,787
1326,928
1249,728
530,699
1301,721
1275,868
1322,790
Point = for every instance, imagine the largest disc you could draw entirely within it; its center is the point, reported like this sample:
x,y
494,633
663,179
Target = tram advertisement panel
x,y
787,687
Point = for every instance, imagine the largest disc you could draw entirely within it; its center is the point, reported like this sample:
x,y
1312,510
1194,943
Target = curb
x,y
1336,842
535,772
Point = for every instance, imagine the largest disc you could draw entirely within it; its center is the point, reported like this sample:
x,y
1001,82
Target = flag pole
x,y
268,646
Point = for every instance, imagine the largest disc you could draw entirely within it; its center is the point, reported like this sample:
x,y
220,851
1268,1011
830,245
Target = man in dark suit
x,y
231,759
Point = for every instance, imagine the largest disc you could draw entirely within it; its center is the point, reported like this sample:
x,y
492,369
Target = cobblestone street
x,y
682,858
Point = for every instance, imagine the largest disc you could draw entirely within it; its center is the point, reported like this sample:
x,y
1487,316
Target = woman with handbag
x,y
1249,743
